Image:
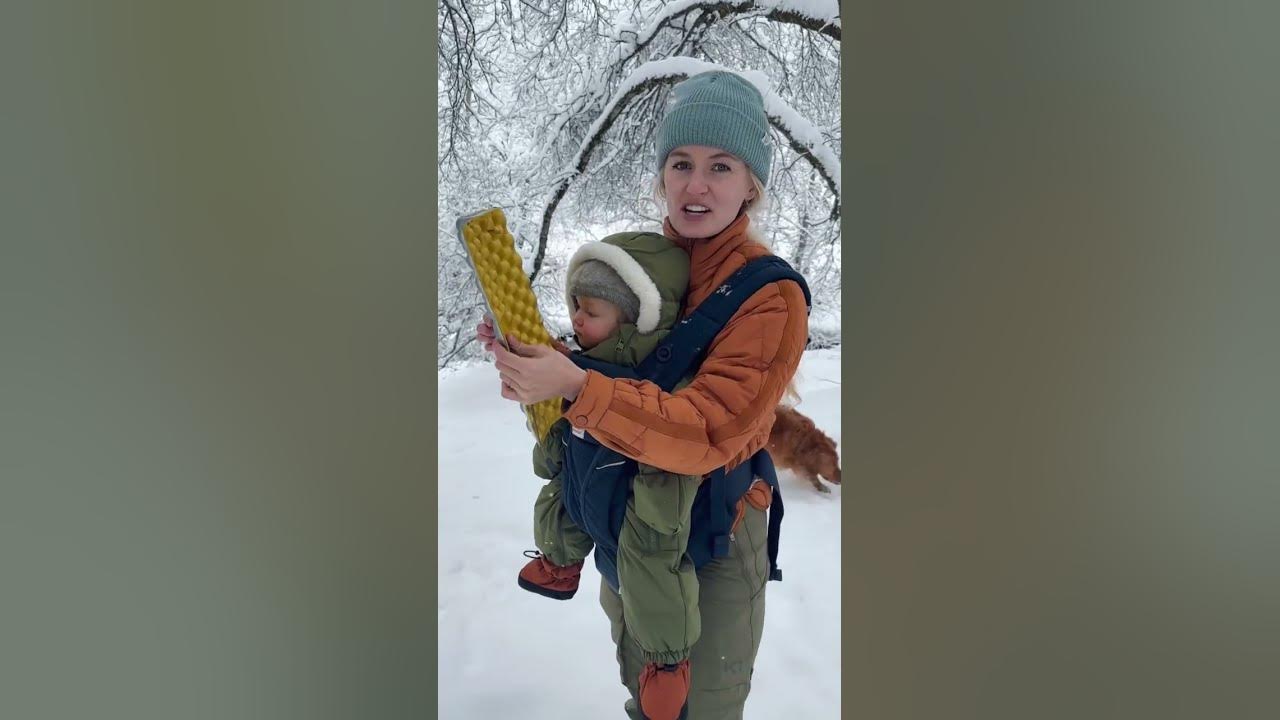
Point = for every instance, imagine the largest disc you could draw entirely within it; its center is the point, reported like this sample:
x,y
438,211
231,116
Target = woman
x,y
714,162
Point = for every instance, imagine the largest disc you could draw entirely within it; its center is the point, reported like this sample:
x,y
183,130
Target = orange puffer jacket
x,y
724,415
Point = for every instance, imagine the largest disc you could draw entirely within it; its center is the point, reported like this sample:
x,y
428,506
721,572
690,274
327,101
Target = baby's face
x,y
594,320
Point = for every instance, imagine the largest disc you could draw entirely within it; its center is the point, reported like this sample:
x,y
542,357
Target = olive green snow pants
x,y
731,605
654,572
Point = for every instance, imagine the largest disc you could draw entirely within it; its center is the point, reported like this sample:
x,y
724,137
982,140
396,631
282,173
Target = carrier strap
x,y
764,469
684,347
682,350
720,523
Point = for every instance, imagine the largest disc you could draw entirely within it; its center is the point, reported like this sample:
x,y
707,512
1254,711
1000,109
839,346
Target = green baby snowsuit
x,y
655,575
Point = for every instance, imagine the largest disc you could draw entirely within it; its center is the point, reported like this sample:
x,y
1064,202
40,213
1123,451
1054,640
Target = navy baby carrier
x,y
596,480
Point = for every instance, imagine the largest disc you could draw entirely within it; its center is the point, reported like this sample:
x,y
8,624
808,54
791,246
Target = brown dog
x,y
798,445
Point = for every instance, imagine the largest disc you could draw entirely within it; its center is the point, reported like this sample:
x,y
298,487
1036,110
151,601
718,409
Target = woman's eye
x,y
721,167
680,165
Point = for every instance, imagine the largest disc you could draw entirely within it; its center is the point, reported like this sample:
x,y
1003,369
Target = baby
x,y
624,295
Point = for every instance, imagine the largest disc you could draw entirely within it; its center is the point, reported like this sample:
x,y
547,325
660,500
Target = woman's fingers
x,y
520,349
511,391
508,363
518,384
485,333
501,355
512,367
531,373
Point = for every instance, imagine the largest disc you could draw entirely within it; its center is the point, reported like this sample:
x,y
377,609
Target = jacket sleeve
x,y
723,414
548,453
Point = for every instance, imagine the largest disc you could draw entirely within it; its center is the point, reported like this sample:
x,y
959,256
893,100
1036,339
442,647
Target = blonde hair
x,y
791,395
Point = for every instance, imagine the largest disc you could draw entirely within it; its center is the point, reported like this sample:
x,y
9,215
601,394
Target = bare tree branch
x,y
531,120
618,109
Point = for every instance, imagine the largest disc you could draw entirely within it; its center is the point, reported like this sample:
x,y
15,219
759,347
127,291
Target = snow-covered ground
x,y
507,653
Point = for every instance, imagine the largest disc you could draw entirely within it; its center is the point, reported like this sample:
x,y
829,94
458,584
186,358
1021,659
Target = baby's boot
x,y
542,576
664,690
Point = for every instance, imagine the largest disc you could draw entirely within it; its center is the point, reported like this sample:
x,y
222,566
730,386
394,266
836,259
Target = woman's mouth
x,y
696,210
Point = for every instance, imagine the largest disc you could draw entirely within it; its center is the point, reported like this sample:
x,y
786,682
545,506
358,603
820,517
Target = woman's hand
x,y
486,335
533,373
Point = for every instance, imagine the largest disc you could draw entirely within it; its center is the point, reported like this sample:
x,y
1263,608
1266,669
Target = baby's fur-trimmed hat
x,y
594,278
625,269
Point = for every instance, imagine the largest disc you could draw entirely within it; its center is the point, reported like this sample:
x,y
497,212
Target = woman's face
x,y
705,189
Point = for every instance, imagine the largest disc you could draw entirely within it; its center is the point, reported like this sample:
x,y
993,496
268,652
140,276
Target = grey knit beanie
x,y
721,110
594,278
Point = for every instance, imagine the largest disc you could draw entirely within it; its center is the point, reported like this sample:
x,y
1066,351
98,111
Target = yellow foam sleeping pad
x,y
510,298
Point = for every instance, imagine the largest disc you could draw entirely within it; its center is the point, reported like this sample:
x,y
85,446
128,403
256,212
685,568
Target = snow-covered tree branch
x,y
801,136
548,110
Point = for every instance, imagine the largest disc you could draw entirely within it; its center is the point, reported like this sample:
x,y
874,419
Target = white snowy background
x,y
547,109
507,653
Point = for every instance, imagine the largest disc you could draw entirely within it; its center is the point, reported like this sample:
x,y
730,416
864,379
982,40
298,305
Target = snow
x,y
805,133
775,107
826,11
668,11
508,653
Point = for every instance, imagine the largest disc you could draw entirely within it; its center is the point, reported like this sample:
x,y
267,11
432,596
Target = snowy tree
x,y
548,110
